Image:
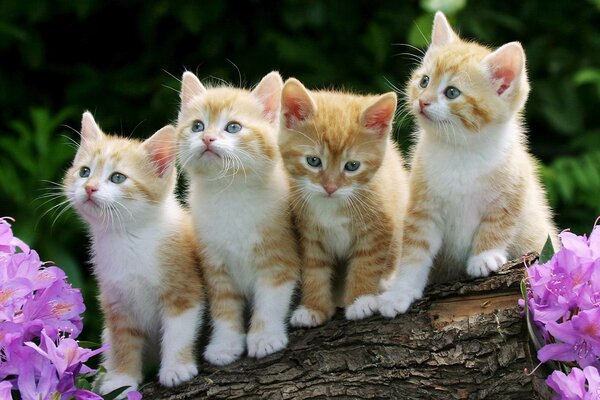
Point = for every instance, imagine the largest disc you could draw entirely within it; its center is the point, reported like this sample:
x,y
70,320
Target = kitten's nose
x,y
423,104
208,140
89,189
330,188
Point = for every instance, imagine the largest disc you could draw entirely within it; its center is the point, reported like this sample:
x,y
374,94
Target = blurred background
x,y
122,61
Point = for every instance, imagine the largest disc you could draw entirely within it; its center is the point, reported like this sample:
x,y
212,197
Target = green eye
x,y
233,127
117,178
352,166
197,126
84,172
424,81
313,161
452,92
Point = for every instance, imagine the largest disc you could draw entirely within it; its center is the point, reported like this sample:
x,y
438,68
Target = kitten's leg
x,y
421,241
316,305
365,270
181,322
227,314
497,228
277,268
123,360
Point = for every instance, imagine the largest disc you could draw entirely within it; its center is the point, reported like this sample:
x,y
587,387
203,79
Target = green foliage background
x,y
122,61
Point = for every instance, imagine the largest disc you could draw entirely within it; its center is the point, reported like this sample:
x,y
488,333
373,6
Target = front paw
x,y
362,307
113,381
394,302
486,262
265,343
173,375
304,317
222,352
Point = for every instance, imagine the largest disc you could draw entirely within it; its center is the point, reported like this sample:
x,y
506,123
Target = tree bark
x,y
464,340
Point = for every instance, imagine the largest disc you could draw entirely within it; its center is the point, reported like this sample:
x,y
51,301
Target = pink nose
x,y
89,189
330,188
423,104
208,140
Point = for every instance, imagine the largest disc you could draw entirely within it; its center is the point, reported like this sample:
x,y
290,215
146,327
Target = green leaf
x,y
88,345
420,31
115,393
547,251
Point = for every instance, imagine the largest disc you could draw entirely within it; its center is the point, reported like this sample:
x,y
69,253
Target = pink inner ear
x,y
295,111
162,158
507,76
379,119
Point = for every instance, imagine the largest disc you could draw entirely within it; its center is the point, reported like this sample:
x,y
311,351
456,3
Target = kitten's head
x,y
462,86
114,180
224,131
333,143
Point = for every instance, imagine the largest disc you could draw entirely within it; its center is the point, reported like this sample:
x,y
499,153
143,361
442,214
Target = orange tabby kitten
x,y
144,252
239,202
349,197
476,199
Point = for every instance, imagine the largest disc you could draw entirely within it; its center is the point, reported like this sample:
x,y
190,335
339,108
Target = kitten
x,y
144,252
349,198
476,199
239,202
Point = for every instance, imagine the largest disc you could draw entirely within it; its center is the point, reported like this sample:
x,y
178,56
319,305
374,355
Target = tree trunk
x,y
464,340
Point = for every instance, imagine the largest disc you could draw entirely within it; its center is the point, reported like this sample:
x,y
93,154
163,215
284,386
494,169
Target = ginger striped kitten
x,y
476,199
239,201
144,250
349,198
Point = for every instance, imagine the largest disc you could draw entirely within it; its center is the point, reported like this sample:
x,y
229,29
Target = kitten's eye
x,y
452,92
84,172
233,127
313,161
352,166
117,178
197,126
424,81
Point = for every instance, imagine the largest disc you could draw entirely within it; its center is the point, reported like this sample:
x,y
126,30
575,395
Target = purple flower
x,y
9,243
573,386
135,395
5,390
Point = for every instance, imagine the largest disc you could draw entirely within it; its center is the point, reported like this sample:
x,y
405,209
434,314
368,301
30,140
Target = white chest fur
x,y
335,225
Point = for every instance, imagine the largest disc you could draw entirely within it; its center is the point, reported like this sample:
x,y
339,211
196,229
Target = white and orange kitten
x,y
238,197
476,199
349,198
145,255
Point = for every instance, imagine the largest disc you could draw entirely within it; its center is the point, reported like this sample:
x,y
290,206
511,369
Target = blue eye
x,y
197,126
313,161
424,81
117,178
84,172
452,92
352,166
233,127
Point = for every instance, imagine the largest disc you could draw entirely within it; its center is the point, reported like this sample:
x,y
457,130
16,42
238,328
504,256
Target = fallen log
x,y
464,340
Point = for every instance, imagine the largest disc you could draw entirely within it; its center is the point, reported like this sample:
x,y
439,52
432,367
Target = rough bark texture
x,y
464,340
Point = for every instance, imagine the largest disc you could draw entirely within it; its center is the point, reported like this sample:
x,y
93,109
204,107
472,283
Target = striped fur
x,y
476,199
351,237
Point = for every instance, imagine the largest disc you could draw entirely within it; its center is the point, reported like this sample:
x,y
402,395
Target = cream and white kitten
x,y
145,254
239,202
475,195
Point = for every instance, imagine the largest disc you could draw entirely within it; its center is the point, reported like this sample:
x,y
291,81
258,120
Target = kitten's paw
x,y
112,381
393,302
362,307
223,352
304,317
485,263
265,343
174,375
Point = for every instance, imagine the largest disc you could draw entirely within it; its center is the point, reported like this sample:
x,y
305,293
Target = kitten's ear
x,y
190,88
90,131
442,32
379,116
161,148
296,103
268,91
506,66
